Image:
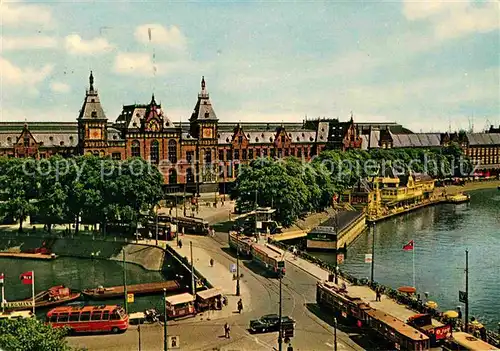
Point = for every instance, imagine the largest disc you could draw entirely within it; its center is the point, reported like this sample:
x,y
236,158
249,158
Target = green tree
x,y
20,185
31,335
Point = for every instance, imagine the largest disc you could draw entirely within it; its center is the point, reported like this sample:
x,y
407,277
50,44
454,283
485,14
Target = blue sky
x,y
427,65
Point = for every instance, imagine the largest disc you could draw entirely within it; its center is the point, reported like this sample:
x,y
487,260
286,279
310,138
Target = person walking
x,y
211,262
180,244
227,329
240,306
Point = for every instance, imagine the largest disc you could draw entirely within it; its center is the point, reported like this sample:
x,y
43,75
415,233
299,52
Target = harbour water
x,y
79,274
441,234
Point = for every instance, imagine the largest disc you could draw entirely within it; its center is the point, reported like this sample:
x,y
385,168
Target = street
x,y
204,333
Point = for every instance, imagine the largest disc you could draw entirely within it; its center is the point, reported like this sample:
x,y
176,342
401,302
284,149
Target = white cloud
x,y
19,15
141,64
28,43
60,87
27,77
452,19
77,46
171,37
133,64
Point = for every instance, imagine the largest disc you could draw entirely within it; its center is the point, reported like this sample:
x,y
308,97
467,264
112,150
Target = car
x,y
270,323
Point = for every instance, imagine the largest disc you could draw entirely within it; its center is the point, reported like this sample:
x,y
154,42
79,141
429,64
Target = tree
x,y
20,185
31,335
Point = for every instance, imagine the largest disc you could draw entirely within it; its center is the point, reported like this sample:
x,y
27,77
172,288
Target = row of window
x,y
154,150
250,154
486,160
484,151
84,316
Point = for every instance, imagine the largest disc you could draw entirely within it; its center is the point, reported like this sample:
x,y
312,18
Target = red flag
x,y
409,246
27,278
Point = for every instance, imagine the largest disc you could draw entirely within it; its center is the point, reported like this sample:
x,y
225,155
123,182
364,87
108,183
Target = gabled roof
x,y
416,140
203,110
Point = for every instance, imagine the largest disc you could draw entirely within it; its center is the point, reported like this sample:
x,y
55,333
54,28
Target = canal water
x,y
441,234
79,274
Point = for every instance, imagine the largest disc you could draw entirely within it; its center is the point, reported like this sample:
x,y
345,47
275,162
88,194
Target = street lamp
x,y
335,334
238,266
156,213
280,339
165,339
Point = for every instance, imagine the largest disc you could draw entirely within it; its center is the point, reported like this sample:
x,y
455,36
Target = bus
x,y
272,259
89,319
461,341
241,243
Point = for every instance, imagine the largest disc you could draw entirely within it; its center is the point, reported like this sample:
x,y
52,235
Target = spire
x,y
352,117
91,81
202,83
153,101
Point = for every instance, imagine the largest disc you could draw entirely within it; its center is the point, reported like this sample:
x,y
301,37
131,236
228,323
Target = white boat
x,y
16,315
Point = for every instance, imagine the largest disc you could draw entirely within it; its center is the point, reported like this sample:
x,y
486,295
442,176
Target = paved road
x,y
198,333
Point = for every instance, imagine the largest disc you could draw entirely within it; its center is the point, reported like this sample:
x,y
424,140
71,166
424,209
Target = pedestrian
x,y
226,331
240,306
289,348
211,262
459,311
180,244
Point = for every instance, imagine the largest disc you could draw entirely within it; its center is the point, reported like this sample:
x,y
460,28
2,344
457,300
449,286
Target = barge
x,y
101,293
54,296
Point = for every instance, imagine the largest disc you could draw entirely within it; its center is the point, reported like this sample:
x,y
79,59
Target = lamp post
x,y
156,212
238,266
165,339
280,329
335,334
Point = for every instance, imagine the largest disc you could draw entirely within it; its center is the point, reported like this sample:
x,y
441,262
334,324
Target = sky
x,y
429,65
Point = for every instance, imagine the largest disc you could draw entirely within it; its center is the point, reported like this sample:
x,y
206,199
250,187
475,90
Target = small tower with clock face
x,y
203,126
92,122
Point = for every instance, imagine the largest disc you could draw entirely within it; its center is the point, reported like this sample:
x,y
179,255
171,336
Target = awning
x,y
178,299
209,293
451,314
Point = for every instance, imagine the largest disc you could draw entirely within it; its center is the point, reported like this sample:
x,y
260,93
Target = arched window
x,y
172,151
154,152
136,148
189,175
172,176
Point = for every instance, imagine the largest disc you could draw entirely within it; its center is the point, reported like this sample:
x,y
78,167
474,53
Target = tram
x,y
461,341
397,333
240,242
272,259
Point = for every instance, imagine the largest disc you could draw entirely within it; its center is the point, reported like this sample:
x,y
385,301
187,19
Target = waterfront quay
x,y
260,296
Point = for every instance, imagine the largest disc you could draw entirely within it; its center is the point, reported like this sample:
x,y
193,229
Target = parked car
x,y
270,323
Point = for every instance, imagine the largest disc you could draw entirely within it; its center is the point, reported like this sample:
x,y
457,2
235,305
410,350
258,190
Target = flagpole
x,y
3,295
33,289
414,264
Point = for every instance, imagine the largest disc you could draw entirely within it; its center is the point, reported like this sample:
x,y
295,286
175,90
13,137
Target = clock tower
x,y
203,126
92,123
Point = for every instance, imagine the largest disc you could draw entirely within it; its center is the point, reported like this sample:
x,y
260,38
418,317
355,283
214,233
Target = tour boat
x,y
55,295
101,293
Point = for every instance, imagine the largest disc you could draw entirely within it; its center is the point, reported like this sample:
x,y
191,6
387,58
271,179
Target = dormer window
x,y
257,140
134,124
248,136
114,137
271,139
9,139
227,140
51,138
61,143
262,135
92,100
207,114
298,138
94,114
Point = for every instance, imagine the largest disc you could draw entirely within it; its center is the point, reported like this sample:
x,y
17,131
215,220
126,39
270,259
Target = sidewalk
x,y
364,292
218,275
213,215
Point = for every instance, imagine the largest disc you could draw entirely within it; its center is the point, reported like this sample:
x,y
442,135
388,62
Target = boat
x,y
16,315
101,293
458,198
55,295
